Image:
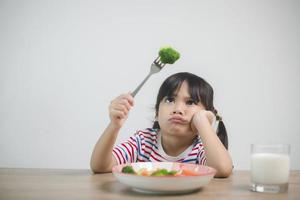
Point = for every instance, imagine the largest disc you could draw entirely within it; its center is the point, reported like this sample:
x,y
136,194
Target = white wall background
x,y
61,62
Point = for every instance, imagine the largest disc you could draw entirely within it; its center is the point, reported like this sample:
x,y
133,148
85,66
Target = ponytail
x,y
221,130
222,134
155,125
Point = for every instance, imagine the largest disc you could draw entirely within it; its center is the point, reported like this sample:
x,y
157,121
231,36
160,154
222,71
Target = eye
x,y
191,102
169,99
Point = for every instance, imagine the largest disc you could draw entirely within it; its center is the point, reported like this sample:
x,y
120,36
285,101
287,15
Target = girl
x,y
183,130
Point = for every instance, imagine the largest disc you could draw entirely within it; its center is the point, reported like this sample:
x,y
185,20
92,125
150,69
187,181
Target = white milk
x,y
270,168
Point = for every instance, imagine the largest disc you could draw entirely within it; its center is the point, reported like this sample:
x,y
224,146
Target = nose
x,y
178,109
177,112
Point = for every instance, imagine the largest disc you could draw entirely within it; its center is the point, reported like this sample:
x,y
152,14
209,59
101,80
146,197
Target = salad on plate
x,y
163,177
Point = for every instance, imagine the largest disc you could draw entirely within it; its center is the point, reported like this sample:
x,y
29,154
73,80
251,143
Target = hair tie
x,y
218,117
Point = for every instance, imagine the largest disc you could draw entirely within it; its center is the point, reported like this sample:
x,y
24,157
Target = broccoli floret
x,y
168,55
163,172
128,170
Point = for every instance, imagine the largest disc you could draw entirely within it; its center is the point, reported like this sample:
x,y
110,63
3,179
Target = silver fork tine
x,y
157,59
159,63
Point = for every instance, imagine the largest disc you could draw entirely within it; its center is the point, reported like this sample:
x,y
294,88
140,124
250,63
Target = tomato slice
x,y
188,172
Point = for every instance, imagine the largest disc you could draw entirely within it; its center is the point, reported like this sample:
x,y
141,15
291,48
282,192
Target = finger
x,y
118,98
118,107
211,117
130,98
126,104
122,109
121,101
118,114
124,99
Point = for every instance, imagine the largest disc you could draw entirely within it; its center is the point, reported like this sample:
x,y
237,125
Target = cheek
x,y
198,109
162,111
159,115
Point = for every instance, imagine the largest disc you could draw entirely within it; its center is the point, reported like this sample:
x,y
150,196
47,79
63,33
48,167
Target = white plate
x,y
165,184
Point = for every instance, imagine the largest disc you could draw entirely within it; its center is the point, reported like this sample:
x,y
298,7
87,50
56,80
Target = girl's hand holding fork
x,y
119,109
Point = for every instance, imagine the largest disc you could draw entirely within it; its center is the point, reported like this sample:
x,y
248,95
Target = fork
x,y
156,66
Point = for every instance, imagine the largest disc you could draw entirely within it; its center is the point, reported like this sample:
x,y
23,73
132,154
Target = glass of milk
x,y
270,166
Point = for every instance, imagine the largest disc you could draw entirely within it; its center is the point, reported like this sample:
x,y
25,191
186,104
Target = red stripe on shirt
x,y
118,157
120,153
130,154
135,147
155,158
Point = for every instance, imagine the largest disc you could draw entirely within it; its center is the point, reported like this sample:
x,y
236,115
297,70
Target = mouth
x,y
178,120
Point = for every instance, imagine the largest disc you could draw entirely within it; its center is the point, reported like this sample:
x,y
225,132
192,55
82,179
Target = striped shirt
x,y
145,146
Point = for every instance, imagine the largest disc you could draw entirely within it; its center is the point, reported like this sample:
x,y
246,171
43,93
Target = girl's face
x,y
176,112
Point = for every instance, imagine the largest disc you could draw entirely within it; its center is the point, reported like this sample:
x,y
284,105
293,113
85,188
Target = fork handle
x,y
140,85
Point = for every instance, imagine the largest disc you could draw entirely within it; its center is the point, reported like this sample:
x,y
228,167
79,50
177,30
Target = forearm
x,y
102,160
217,155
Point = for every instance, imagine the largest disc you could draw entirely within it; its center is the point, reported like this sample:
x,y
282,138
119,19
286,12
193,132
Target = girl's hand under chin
x,y
201,117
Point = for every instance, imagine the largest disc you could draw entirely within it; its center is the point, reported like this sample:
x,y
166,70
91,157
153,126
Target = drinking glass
x,y
270,164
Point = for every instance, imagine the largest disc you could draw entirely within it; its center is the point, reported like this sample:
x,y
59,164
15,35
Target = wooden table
x,y
82,184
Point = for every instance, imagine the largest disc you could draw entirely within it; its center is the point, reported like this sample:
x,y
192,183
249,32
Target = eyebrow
x,y
175,95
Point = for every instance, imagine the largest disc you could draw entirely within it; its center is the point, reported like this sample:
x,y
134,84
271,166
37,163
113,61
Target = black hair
x,y
200,91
